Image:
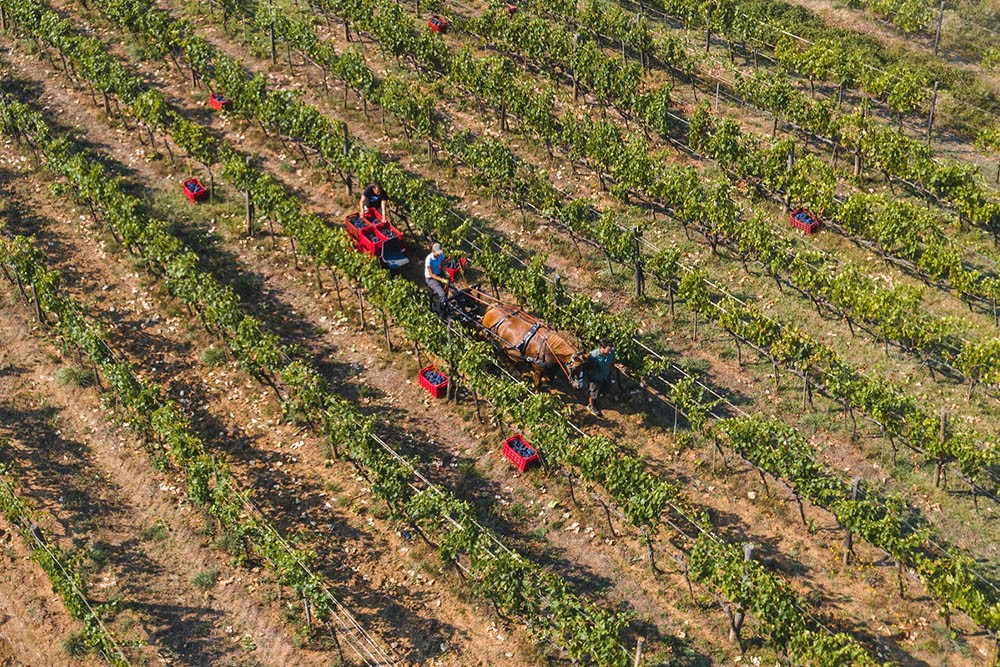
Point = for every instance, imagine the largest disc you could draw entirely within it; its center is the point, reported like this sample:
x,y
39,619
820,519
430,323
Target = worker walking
x,y
374,197
434,275
601,364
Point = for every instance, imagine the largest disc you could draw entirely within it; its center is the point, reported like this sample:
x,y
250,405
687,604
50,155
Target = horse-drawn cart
x,y
519,335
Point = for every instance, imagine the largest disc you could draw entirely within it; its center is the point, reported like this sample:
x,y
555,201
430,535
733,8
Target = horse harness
x,y
521,347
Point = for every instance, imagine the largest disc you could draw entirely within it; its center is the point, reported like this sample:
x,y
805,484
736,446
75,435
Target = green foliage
x,y
158,532
76,376
205,579
213,356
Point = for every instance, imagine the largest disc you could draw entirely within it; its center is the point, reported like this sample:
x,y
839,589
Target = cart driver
x,y
374,197
434,275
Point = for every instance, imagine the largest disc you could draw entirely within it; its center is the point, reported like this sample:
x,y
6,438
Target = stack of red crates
x,y
520,453
370,232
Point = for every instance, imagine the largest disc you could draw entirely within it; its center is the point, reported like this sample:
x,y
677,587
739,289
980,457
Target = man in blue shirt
x,y
599,368
434,274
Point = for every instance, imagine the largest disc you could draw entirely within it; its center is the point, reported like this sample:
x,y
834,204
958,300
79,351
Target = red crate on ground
x,y
804,220
520,453
218,101
453,267
194,190
437,24
433,381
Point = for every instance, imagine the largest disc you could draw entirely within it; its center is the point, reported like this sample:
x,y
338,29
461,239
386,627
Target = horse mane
x,y
559,346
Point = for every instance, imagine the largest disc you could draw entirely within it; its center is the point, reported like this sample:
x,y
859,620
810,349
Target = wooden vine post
x,y
930,115
640,278
736,618
347,151
937,31
309,620
638,652
849,536
939,462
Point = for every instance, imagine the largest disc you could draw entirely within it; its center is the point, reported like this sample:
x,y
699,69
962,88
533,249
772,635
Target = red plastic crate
x,y
803,219
194,190
437,24
524,459
453,267
436,390
386,231
373,216
369,241
218,101
354,224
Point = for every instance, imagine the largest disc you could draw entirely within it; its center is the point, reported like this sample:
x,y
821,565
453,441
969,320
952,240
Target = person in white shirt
x,y
434,274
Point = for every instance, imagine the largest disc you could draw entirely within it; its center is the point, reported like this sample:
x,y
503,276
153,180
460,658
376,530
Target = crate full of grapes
x,y
433,381
219,102
370,242
387,231
437,24
519,452
194,190
804,219
355,224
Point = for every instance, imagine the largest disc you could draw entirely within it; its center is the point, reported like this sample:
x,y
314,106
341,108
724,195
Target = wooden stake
x,y
309,618
930,116
937,31
736,617
638,651
640,279
849,537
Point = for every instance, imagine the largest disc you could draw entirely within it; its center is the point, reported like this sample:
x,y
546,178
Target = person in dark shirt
x,y
375,197
599,368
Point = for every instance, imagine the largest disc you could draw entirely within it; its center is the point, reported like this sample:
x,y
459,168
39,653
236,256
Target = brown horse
x,y
525,339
